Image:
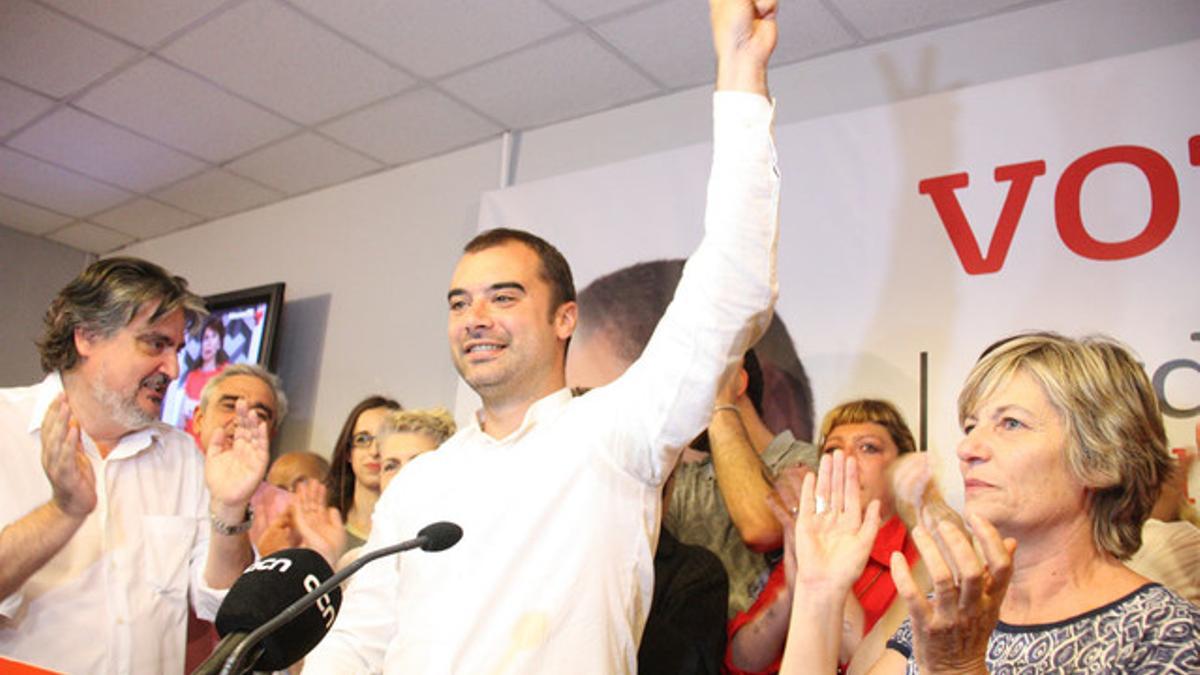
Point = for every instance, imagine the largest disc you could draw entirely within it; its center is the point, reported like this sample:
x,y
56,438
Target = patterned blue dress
x,y
1151,630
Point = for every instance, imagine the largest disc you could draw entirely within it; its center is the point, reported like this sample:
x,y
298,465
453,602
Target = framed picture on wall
x,y
242,327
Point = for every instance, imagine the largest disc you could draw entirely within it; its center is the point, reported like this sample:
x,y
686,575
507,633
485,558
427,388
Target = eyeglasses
x,y
362,440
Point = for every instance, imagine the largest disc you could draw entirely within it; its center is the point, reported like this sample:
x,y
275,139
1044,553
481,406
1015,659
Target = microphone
x,y
266,589
434,537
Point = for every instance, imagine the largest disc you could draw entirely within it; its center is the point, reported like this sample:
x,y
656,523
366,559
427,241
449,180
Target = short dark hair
x,y
555,270
341,478
626,305
104,299
217,325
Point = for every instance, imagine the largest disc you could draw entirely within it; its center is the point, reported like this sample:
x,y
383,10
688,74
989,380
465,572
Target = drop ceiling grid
x,y
130,119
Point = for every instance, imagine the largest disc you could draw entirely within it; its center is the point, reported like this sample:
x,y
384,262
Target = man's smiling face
x,y
505,339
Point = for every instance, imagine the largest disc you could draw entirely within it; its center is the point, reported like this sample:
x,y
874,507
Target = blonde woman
x,y
1062,458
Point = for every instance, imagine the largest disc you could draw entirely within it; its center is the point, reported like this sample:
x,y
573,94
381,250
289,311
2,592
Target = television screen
x,y
242,327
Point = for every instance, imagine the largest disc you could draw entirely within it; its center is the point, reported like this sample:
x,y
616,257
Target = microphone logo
x,y
270,565
324,603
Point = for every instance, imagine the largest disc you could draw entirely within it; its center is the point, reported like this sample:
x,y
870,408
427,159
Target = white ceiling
x,y
122,120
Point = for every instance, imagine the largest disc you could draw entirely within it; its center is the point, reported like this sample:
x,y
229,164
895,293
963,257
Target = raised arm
x,y
724,298
742,477
30,542
757,636
232,475
833,536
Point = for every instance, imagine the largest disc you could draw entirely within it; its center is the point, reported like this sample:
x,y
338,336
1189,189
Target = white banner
x,y
1066,200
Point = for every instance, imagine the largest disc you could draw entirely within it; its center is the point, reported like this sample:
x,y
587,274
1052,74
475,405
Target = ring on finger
x,y
821,505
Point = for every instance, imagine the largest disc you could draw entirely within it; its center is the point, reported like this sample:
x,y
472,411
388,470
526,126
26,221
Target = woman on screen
x,y
211,361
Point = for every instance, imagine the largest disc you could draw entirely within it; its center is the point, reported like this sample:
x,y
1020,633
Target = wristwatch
x,y
224,528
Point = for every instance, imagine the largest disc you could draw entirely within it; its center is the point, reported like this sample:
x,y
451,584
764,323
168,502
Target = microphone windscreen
x,y
267,588
440,536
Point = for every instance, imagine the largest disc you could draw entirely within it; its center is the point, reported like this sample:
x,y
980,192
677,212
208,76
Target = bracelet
x,y
225,528
728,406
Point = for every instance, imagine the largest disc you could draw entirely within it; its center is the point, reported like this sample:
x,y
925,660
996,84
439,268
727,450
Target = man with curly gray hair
x,y
111,520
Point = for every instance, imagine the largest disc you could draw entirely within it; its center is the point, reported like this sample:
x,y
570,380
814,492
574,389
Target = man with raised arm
x,y
111,519
559,497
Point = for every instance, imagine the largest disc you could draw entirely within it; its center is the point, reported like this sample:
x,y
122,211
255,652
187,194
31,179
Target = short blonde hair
x,y
437,423
1116,444
870,411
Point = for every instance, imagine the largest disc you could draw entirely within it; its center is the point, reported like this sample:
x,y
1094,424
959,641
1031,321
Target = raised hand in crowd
x,y
744,35
320,527
233,474
832,537
918,499
951,630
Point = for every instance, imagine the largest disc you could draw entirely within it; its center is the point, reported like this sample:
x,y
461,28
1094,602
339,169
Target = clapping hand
x,y
951,630
233,474
833,535
67,467
320,526
784,503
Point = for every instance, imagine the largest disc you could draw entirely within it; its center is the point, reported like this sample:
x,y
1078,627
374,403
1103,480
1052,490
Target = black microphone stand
x,y
248,651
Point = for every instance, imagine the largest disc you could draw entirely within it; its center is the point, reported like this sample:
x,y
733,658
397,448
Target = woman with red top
x,y
874,433
211,361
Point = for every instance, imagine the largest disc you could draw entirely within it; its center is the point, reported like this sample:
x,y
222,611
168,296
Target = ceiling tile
x,y
687,58
143,22
216,193
411,126
272,55
79,55
184,111
302,163
875,19
91,238
98,149
144,218
434,38
18,106
38,182
557,80
806,28
28,218
586,10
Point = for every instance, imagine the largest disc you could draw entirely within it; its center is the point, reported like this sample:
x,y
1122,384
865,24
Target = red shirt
x,y
874,589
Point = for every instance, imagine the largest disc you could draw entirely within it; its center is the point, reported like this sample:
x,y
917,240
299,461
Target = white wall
x,y
32,271
366,263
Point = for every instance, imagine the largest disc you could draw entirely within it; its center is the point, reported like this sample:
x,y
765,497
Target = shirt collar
x,y
542,409
47,391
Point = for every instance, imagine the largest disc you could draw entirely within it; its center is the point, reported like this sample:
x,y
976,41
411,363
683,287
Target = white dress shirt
x,y
554,572
114,599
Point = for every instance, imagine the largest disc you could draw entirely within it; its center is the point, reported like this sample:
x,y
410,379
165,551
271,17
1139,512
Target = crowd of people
x,y
637,492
